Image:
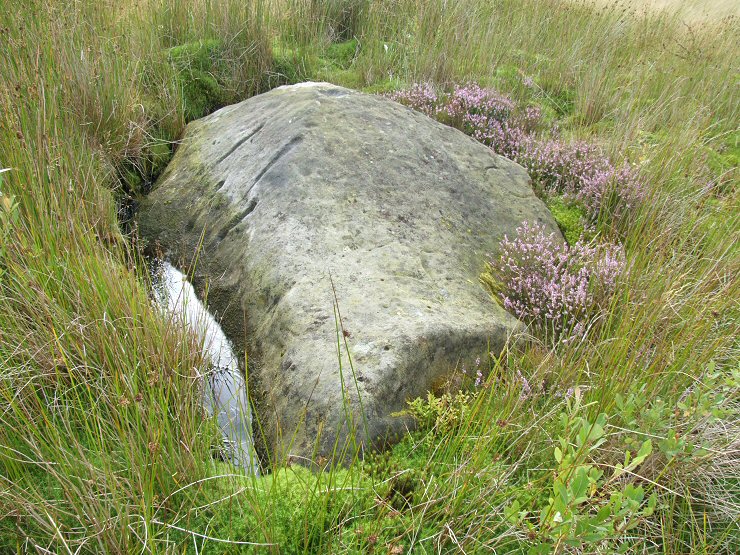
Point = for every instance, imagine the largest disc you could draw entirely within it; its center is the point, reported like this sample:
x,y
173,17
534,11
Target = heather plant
x,y
472,107
419,96
579,172
559,290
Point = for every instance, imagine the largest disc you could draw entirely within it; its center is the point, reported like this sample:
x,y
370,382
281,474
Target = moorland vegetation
x,y
613,428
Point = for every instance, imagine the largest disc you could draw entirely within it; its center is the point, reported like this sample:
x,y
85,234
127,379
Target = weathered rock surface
x,y
310,182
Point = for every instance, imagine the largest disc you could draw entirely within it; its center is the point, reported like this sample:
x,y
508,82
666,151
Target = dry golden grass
x,y
691,11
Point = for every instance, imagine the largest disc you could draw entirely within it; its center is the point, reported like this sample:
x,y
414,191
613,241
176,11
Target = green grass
x,y
103,444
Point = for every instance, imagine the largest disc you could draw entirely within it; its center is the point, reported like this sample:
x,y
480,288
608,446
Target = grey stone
x,y
311,185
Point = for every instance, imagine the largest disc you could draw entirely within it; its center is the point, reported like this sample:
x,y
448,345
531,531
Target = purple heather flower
x,y
526,388
421,97
579,170
554,287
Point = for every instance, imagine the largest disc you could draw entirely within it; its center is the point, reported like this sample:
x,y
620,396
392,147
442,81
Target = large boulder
x,y
312,202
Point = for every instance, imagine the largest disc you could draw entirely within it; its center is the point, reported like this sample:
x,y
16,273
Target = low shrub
x,y
419,96
580,171
559,290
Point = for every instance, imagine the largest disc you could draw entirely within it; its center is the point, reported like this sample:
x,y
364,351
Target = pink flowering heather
x,y
555,288
489,117
420,96
463,104
579,170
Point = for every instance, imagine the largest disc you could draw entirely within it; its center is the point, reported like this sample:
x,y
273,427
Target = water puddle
x,y
225,388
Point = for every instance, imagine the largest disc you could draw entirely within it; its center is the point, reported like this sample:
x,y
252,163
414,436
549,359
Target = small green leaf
x,y
645,449
604,513
650,509
511,513
579,486
562,491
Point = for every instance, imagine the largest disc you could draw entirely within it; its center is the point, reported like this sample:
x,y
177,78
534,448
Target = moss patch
x,y
336,64
289,66
342,54
294,508
558,98
506,78
197,69
569,217
384,86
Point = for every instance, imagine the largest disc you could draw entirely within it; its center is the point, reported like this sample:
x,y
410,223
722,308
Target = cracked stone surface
x,y
313,184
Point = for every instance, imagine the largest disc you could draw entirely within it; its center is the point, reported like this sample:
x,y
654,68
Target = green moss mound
x,y
569,217
383,86
293,508
337,64
342,54
197,65
289,66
